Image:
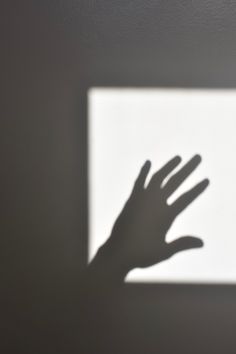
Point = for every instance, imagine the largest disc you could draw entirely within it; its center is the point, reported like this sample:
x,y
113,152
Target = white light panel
x,y
129,126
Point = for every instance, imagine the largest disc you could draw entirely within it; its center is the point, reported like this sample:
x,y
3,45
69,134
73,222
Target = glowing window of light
x,y
128,126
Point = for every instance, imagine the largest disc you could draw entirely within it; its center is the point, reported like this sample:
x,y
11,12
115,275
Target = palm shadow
x,y
137,240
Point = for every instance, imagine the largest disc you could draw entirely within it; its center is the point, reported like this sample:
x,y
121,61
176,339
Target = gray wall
x,y
51,51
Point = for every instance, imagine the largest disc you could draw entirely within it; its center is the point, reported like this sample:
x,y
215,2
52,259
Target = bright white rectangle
x,y
128,126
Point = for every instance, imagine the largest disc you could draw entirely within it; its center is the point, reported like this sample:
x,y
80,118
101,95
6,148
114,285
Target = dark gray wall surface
x,y
51,52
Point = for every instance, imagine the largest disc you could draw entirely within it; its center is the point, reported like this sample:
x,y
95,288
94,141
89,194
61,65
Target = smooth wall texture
x,y
51,52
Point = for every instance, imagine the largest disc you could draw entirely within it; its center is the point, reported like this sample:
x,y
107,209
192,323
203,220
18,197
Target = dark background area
x,y
51,52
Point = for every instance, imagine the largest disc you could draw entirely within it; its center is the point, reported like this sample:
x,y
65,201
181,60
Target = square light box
x,y
129,126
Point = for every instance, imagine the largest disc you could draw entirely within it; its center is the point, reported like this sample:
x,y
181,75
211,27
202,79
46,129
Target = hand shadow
x,y
137,240
138,236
